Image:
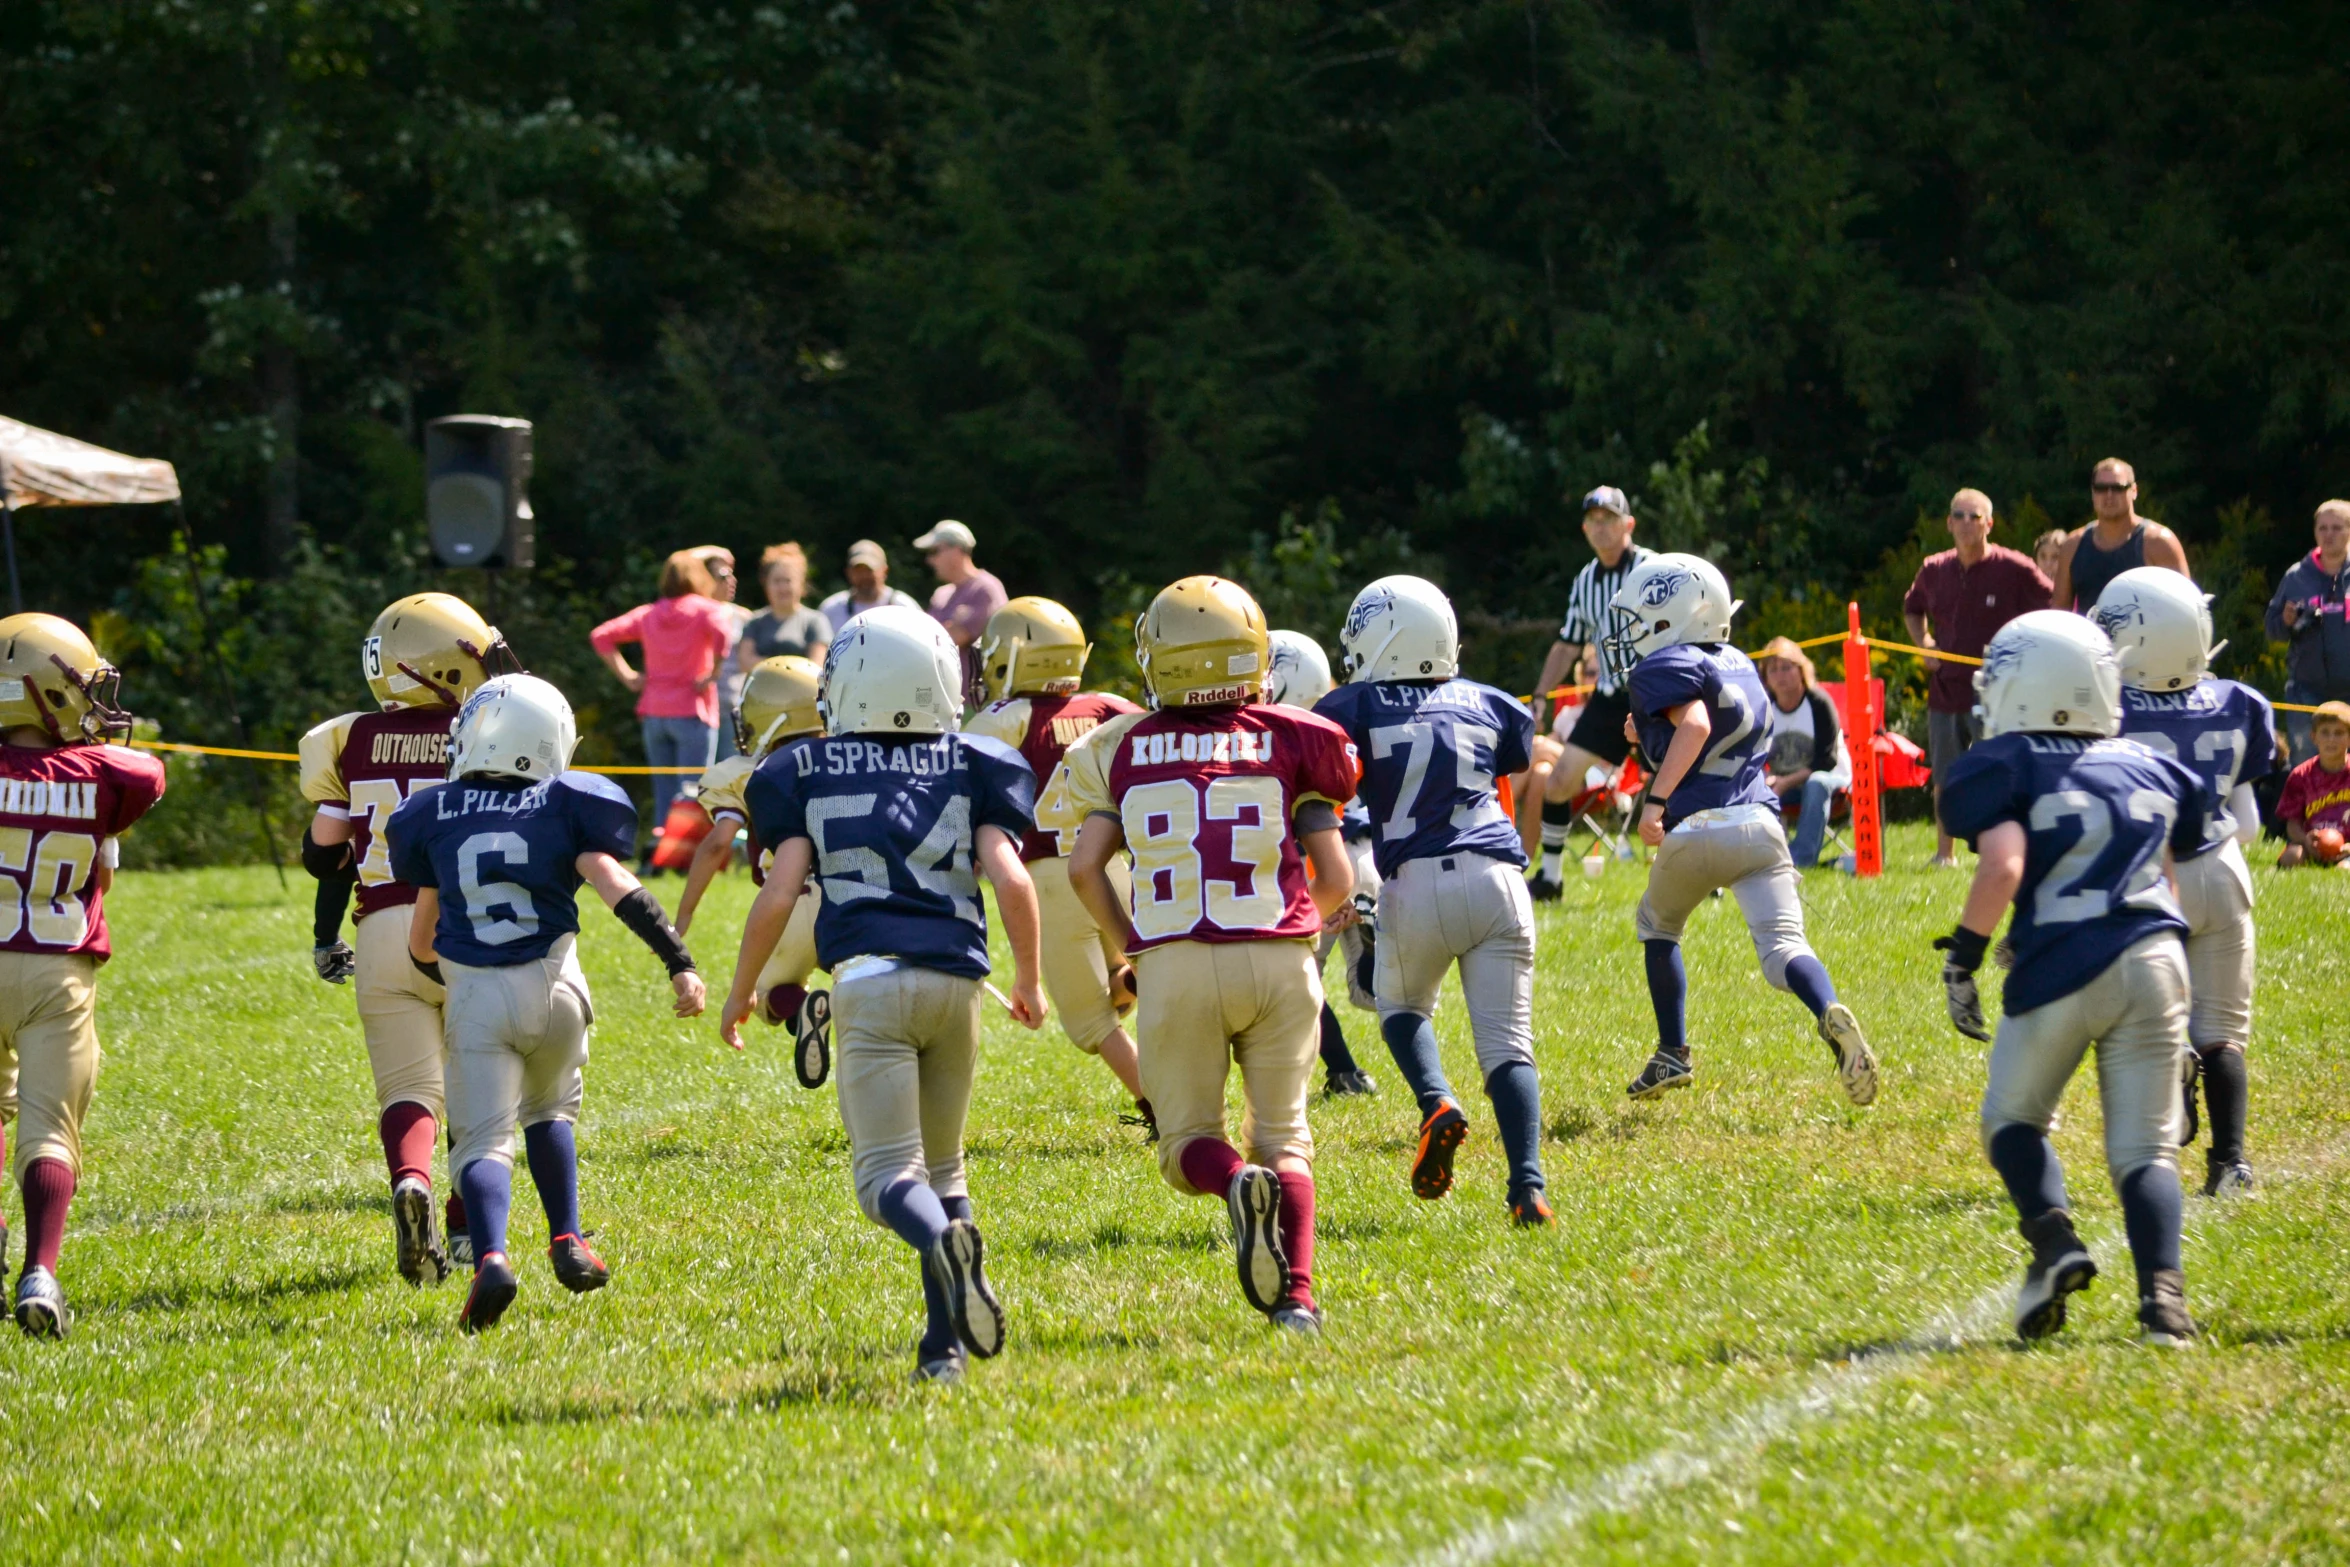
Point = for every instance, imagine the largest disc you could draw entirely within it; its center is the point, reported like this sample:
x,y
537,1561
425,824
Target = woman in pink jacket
x,y
685,635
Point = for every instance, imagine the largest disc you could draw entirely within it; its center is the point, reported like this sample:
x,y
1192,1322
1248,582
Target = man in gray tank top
x,y
2118,540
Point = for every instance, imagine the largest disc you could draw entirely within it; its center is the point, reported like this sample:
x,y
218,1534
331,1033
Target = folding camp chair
x,y
1605,811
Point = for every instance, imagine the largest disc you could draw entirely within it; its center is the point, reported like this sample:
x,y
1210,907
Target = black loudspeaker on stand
x,y
477,492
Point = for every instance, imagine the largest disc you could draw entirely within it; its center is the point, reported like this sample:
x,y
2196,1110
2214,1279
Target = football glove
x,y
336,963
1962,954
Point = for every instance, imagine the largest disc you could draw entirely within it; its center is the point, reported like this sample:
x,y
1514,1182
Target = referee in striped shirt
x,y
1598,736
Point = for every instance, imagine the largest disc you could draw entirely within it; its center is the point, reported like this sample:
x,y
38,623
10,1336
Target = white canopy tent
x,y
42,468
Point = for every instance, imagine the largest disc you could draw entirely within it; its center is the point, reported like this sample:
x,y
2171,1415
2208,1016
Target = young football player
x,y
496,856
900,815
778,706
1223,801
1031,662
1298,675
421,659
2316,796
1452,873
2075,827
1699,710
2225,734
65,796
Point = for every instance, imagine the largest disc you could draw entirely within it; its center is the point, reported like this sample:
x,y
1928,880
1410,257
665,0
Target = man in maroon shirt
x,y
1960,598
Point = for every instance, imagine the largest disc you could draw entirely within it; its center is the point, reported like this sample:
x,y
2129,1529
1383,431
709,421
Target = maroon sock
x,y
48,1192
453,1211
1297,1233
407,1131
1209,1164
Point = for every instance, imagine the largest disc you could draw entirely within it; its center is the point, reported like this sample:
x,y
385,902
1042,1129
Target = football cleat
x,y
494,1287
1143,1116
1341,1084
2060,1266
2162,1316
2232,1179
460,1246
944,1371
957,1261
577,1269
1547,889
812,1039
1299,1317
1528,1211
1854,1063
1664,1071
1254,1202
1440,1137
40,1304
421,1259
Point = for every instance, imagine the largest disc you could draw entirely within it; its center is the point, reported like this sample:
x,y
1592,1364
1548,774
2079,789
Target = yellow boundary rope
x,y
289,756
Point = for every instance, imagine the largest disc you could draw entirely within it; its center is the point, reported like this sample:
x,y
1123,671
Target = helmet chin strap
x,y
448,697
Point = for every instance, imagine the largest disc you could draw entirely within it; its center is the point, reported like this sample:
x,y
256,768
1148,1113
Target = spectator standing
x,y
684,634
1598,736
1808,760
2307,615
2317,792
868,587
1957,602
2117,541
966,597
718,560
2047,550
787,626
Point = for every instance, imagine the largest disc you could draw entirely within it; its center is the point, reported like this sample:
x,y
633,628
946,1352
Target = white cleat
x,y
1854,1062
40,1305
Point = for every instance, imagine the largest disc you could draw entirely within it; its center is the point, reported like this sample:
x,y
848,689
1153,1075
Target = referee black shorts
x,y
1600,729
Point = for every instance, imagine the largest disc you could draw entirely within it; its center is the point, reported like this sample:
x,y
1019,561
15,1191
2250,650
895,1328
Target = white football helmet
x,y
1299,675
1666,601
513,726
2160,624
2049,672
1401,628
892,670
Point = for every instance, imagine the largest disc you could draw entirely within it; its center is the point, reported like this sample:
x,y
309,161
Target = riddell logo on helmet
x,y
1213,695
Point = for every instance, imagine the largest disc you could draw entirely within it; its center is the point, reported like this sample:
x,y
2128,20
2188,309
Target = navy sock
x,y
1335,1056
1411,1039
554,1170
1517,1110
2027,1162
915,1212
956,1208
2151,1214
1811,984
1668,992
2225,1090
488,1189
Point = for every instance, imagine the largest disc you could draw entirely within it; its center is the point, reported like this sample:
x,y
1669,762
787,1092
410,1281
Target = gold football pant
x,y
909,1046
1076,955
794,957
1209,1006
400,1017
48,1052
518,1044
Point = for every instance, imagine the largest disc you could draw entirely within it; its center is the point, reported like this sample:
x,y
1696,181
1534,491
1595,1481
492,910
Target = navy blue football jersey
x,y
1431,751
895,827
2096,814
504,858
1730,769
2223,732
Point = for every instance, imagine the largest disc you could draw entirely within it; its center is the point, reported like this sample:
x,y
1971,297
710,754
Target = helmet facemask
x,y
106,719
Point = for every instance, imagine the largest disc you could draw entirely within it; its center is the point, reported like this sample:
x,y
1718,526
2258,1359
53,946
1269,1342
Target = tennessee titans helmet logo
x,y
1365,608
2114,619
2001,659
1658,591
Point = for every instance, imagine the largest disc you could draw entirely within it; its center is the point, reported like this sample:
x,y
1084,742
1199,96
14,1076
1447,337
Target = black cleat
x,y
940,1371
1142,1116
2060,1266
460,1249
1298,1317
1665,1071
2232,1178
2190,1075
1547,889
1341,1084
812,1039
2162,1316
1528,1211
577,1269
494,1287
40,1304
1254,1202
957,1260
420,1257
1440,1137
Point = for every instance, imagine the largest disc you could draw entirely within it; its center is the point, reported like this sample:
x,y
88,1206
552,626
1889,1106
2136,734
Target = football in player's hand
x,y
2325,845
1122,991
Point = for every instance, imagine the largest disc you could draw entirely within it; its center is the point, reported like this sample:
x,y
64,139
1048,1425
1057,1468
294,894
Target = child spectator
x,y
2317,793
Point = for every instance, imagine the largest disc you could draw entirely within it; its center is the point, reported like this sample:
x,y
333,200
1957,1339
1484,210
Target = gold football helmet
x,y
1032,646
1201,642
52,679
778,703
431,650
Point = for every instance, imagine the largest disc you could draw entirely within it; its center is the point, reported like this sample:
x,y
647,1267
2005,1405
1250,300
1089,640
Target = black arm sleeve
x,y
1825,728
641,912
337,875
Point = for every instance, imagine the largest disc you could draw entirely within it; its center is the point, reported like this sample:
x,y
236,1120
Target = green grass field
x,y
1767,1327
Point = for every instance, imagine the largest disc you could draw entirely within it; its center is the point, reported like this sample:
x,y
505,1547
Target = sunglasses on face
x,y
2110,489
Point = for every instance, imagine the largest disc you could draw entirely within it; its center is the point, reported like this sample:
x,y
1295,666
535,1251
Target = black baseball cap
x,y
1608,498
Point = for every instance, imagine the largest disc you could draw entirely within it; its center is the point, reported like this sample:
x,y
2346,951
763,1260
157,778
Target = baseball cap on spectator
x,y
1608,498
867,553
948,532
2332,713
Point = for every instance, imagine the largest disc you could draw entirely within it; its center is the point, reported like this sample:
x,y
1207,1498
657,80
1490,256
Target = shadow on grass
x,y
237,1292
863,1375
1113,1237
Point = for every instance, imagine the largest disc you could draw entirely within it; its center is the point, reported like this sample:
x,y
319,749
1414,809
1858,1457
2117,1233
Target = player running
x,y
2076,827
421,659
778,706
65,796
1453,874
1698,708
900,816
2224,733
1032,661
496,856
1223,801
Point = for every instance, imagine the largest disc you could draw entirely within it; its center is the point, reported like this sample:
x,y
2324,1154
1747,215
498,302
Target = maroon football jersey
x,y
382,759
1041,729
57,809
1208,797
